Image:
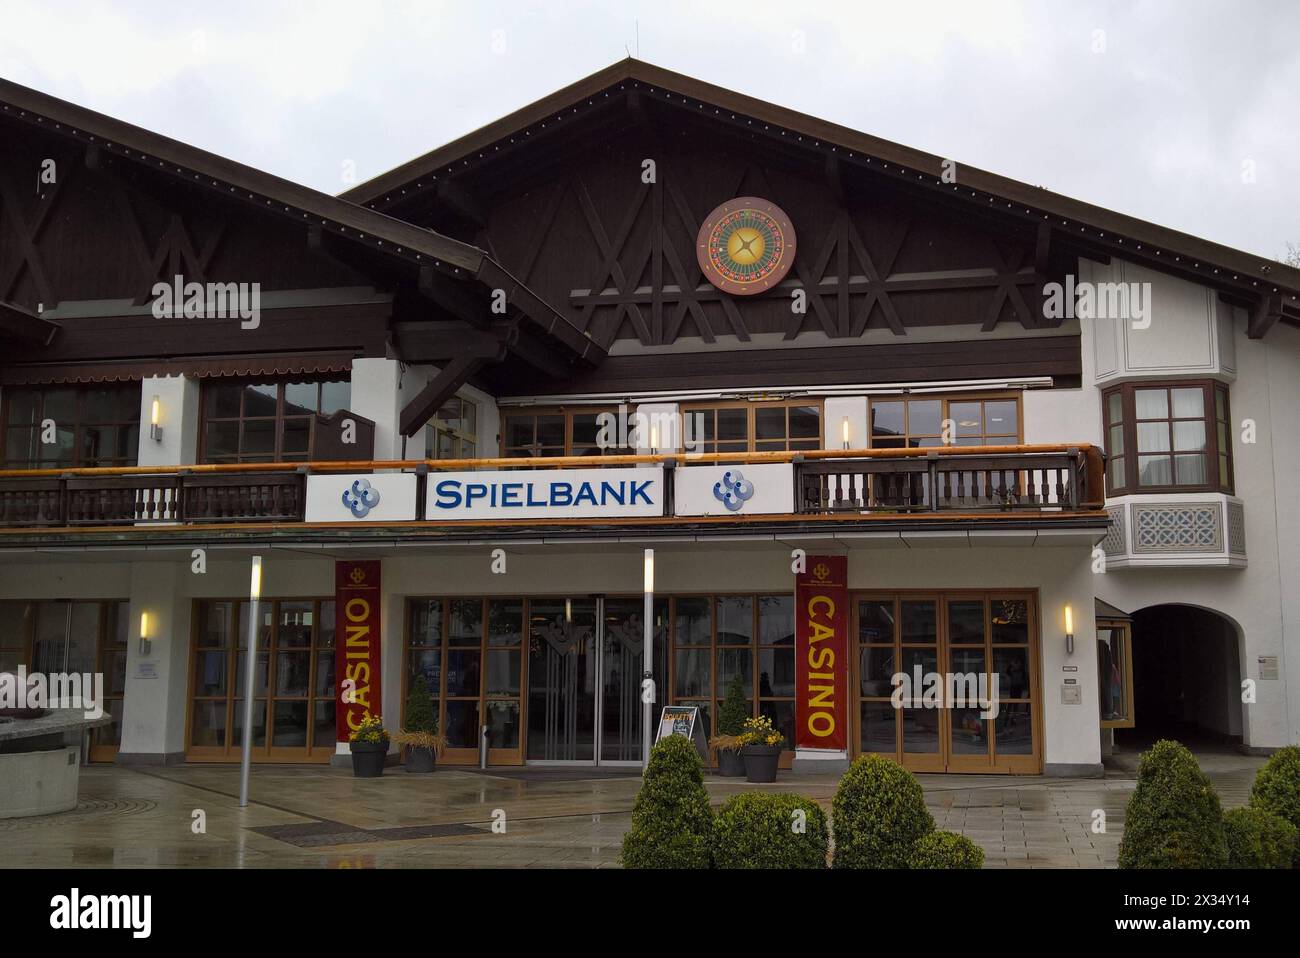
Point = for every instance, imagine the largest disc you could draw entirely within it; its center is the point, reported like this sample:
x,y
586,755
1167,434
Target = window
x,y
266,422
1115,673
95,425
452,433
1162,437
72,636
469,653
747,635
918,421
563,432
753,426
293,698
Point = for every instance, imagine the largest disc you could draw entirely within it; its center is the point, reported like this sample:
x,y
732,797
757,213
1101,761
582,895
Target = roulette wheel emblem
x,y
746,246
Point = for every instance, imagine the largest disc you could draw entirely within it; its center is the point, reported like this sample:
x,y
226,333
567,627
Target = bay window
x,y
1170,436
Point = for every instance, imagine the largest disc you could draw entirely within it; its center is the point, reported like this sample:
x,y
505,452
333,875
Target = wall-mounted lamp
x,y
1069,630
155,420
844,431
146,646
654,438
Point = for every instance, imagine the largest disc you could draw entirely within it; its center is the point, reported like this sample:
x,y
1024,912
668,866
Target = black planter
x,y
730,763
368,759
761,762
420,759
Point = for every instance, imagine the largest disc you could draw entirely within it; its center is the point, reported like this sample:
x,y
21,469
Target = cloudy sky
x,y
1184,113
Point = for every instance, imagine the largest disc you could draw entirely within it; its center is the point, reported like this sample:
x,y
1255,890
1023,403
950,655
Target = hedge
x,y
879,814
1277,789
1174,819
764,830
946,850
1258,839
672,824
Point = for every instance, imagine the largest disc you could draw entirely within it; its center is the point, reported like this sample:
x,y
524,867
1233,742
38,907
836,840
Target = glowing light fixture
x,y
155,420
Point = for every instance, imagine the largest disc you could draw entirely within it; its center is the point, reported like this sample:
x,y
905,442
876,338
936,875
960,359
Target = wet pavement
x,y
301,816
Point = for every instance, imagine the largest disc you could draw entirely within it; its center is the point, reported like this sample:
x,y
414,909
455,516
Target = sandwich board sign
x,y
684,720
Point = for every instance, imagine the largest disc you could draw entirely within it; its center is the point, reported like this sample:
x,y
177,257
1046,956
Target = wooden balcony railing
x,y
975,479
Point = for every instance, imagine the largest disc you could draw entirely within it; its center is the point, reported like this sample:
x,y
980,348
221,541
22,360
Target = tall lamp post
x,y
250,667
647,616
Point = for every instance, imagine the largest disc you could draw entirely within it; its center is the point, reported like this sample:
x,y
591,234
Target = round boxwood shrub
x,y
1174,819
764,830
878,815
946,850
1258,839
1277,788
672,825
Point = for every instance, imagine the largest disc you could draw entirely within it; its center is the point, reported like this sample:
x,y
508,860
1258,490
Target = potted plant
x,y
731,722
420,732
369,746
761,749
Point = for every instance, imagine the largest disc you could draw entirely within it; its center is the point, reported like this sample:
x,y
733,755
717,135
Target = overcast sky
x,y
1183,113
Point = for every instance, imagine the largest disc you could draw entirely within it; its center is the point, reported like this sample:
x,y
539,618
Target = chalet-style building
x,y
874,412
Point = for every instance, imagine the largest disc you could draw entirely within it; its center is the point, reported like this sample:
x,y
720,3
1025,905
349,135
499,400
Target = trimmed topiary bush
x,y
1174,819
734,708
672,825
1258,839
420,715
1277,789
878,815
946,850
758,830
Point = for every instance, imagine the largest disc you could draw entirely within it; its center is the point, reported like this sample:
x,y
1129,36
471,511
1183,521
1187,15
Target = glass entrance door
x,y
585,667
562,679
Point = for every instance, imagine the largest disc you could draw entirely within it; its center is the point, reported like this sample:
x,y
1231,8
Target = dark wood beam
x,y
437,341
443,386
23,324
456,198
1264,316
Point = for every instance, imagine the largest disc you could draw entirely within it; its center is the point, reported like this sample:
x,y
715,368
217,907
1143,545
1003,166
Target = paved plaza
x,y
304,816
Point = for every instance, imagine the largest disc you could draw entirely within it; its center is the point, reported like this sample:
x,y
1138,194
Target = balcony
x,y
907,485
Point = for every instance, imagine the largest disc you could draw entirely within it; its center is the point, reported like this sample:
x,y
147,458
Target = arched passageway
x,y
1186,678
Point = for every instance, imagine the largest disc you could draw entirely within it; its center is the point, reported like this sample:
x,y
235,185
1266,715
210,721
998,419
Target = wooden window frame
x,y
946,400
717,687
568,412
268,752
751,442
436,427
79,424
1010,763
279,419
1211,390
469,755
1126,667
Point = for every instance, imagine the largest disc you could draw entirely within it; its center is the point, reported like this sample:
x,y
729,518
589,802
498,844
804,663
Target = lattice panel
x,y
1236,528
1177,527
1113,544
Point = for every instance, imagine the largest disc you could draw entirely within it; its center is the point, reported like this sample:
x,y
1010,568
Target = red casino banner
x,y
821,643
356,644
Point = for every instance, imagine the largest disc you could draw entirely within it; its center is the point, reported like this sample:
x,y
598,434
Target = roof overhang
x,y
1214,264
